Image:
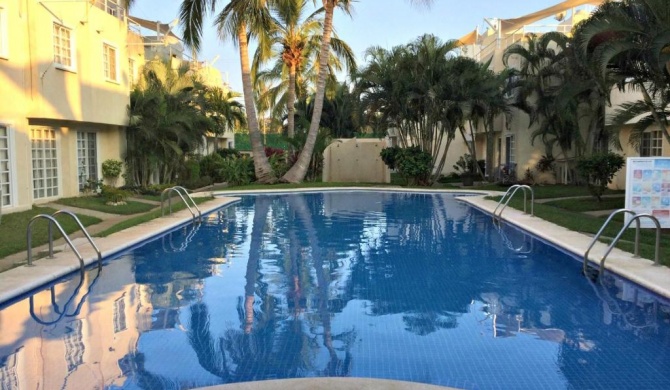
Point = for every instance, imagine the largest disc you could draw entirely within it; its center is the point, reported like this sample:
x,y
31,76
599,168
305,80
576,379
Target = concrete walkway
x,y
108,220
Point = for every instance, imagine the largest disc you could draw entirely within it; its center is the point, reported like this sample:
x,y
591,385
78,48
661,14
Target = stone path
x,y
108,220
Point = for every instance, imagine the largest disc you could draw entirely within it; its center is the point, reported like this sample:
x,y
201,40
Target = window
x,y
5,174
4,42
509,150
109,61
63,46
652,144
87,161
131,73
45,162
120,314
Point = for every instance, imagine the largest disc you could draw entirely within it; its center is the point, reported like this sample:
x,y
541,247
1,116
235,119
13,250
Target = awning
x,y
509,25
469,38
157,26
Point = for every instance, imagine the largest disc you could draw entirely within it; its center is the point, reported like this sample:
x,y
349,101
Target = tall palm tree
x,y
536,85
628,42
297,173
294,45
239,20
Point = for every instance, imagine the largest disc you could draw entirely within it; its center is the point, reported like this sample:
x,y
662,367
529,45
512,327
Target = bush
x,y
200,182
598,170
111,169
211,165
228,153
415,165
390,156
465,165
238,171
114,195
545,164
192,169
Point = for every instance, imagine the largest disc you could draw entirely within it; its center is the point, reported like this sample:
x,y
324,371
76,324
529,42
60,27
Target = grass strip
x,y
587,224
551,191
14,227
134,221
97,203
588,204
281,186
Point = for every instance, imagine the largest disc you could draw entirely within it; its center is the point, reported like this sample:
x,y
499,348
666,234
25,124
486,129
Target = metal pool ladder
x,y
636,218
53,222
181,191
504,201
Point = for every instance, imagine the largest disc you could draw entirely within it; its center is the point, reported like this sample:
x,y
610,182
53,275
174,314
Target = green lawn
x,y
588,204
14,226
133,221
550,191
580,222
98,204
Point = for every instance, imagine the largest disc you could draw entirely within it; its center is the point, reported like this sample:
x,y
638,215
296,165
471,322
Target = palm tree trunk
x,y
262,168
297,172
291,101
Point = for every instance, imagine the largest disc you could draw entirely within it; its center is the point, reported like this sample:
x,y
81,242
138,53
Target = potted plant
x,y
465,167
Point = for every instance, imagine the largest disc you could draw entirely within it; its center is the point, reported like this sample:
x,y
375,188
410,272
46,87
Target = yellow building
x,y
64,80
513,145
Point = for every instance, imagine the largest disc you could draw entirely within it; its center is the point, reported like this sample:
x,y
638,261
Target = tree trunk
x,y
297,172
291,101
490,149
262,166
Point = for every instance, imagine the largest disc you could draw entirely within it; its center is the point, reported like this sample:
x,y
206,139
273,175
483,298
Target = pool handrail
x,y
52,221
83,230
178,189
636,219
505,198
602,229
508,242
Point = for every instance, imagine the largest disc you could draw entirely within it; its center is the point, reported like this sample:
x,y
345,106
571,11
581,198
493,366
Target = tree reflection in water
x,y
309,261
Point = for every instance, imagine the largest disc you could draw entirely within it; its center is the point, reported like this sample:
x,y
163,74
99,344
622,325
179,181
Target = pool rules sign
x,y
648,189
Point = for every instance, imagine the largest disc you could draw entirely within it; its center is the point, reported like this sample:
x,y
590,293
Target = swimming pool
x,y
404,286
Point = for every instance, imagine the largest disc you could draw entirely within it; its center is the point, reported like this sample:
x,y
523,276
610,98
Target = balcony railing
x,y
112,7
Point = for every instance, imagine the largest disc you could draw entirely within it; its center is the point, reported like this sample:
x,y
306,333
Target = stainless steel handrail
x,y
621,232
510,246
52,221
188,196
602,229
83,229
513,190
177,190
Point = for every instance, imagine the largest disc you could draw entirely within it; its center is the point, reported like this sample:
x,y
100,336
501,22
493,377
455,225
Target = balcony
x,y
112,7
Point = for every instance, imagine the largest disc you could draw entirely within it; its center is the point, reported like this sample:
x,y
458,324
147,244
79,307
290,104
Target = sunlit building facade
x,y
64,75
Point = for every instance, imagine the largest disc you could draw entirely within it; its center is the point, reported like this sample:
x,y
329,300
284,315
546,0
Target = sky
x,y
384,23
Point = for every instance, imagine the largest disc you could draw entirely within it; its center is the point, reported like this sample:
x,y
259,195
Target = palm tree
x,y
627,43
297,173
238,20
295,44
223,108
166,122
536,86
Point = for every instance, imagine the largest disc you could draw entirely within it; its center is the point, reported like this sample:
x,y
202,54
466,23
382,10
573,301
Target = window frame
x,y
90,153
11,166
4,33
651,144
73,45
57,167
105,70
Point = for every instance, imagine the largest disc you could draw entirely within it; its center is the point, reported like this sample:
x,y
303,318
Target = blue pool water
x,y
415,287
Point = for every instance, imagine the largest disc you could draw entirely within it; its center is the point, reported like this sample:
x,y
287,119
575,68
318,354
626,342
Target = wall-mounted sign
x,y
648,189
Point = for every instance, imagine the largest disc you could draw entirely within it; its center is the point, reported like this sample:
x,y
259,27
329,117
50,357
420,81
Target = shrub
x,y
390,155
238,171
114,195
211,165
192,169
111,169
545,164
228,153
415,165
598,170
465,165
